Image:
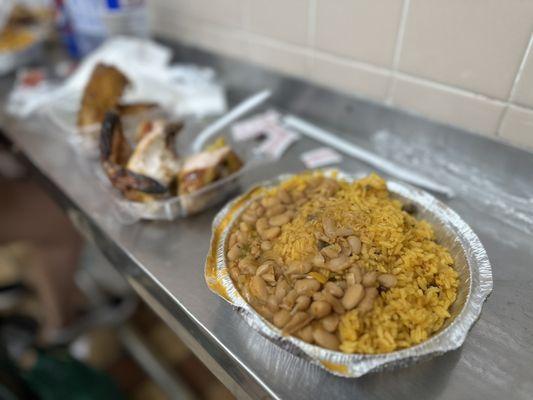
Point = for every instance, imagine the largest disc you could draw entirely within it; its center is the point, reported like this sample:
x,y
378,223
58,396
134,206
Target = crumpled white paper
x,y
179,89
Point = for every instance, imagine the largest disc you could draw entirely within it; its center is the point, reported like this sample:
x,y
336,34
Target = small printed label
x,y
277,142
31,90
320,157
255,126
30,78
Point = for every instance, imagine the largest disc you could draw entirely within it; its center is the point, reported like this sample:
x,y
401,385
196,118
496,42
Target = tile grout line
x,y
515,84
521,108
397,51
247,6
448,88
311,52
521,69
501,118
311,37
311,23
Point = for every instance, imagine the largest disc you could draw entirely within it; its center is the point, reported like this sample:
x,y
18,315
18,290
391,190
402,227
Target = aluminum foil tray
x,y
471,263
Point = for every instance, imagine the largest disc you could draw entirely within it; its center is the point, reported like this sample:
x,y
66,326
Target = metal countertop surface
x,y
163,261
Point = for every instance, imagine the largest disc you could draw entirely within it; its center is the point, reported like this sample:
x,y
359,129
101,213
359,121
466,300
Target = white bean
x,y
387,280
284,196
266,245
299,267
271,233
269,202
306,334
234,252
297,322
325,339
320,309
318,260
272,303
353,295
262,224
344,231
331,251
302,303
338,264
355,244
329,227
281,318
258,288
369,279
368,301
275,210
330,323
334,289
306,286
249,217
280,220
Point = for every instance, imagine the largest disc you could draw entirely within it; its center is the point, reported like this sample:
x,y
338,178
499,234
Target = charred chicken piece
x,y
206,167
134,186
155,154
114,154
102,93
114,147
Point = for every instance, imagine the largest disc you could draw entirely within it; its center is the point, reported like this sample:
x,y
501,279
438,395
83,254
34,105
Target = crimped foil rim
x,y
480,285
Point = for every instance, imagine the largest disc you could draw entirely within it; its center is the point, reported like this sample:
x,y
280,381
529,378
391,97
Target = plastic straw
x,y
366,156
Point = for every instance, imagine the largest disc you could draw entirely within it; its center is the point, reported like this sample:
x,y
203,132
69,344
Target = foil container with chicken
x,y
470,261
151,181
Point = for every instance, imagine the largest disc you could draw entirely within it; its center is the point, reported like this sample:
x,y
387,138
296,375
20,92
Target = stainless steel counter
x,y
164,261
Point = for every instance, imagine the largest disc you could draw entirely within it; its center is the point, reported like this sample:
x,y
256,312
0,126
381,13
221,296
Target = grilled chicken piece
x,y
126,110
155,154
208,166
114,155
102,93
144,128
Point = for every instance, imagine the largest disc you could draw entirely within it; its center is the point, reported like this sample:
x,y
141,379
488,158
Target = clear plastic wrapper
x,y
471,263
127,211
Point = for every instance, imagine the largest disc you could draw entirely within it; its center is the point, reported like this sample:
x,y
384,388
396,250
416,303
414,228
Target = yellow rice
x,y
393,242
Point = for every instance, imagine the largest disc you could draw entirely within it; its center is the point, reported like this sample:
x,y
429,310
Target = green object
x,y
61,377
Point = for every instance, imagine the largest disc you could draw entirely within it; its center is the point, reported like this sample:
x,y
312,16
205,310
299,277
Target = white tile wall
x,y
475,45
280,19
456,107
350,77
349,28
283,58
465,63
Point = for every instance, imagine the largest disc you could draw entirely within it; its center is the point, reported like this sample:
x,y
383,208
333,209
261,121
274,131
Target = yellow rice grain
x,y
394,242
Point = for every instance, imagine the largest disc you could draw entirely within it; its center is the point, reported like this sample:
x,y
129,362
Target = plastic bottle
x,y
85,24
